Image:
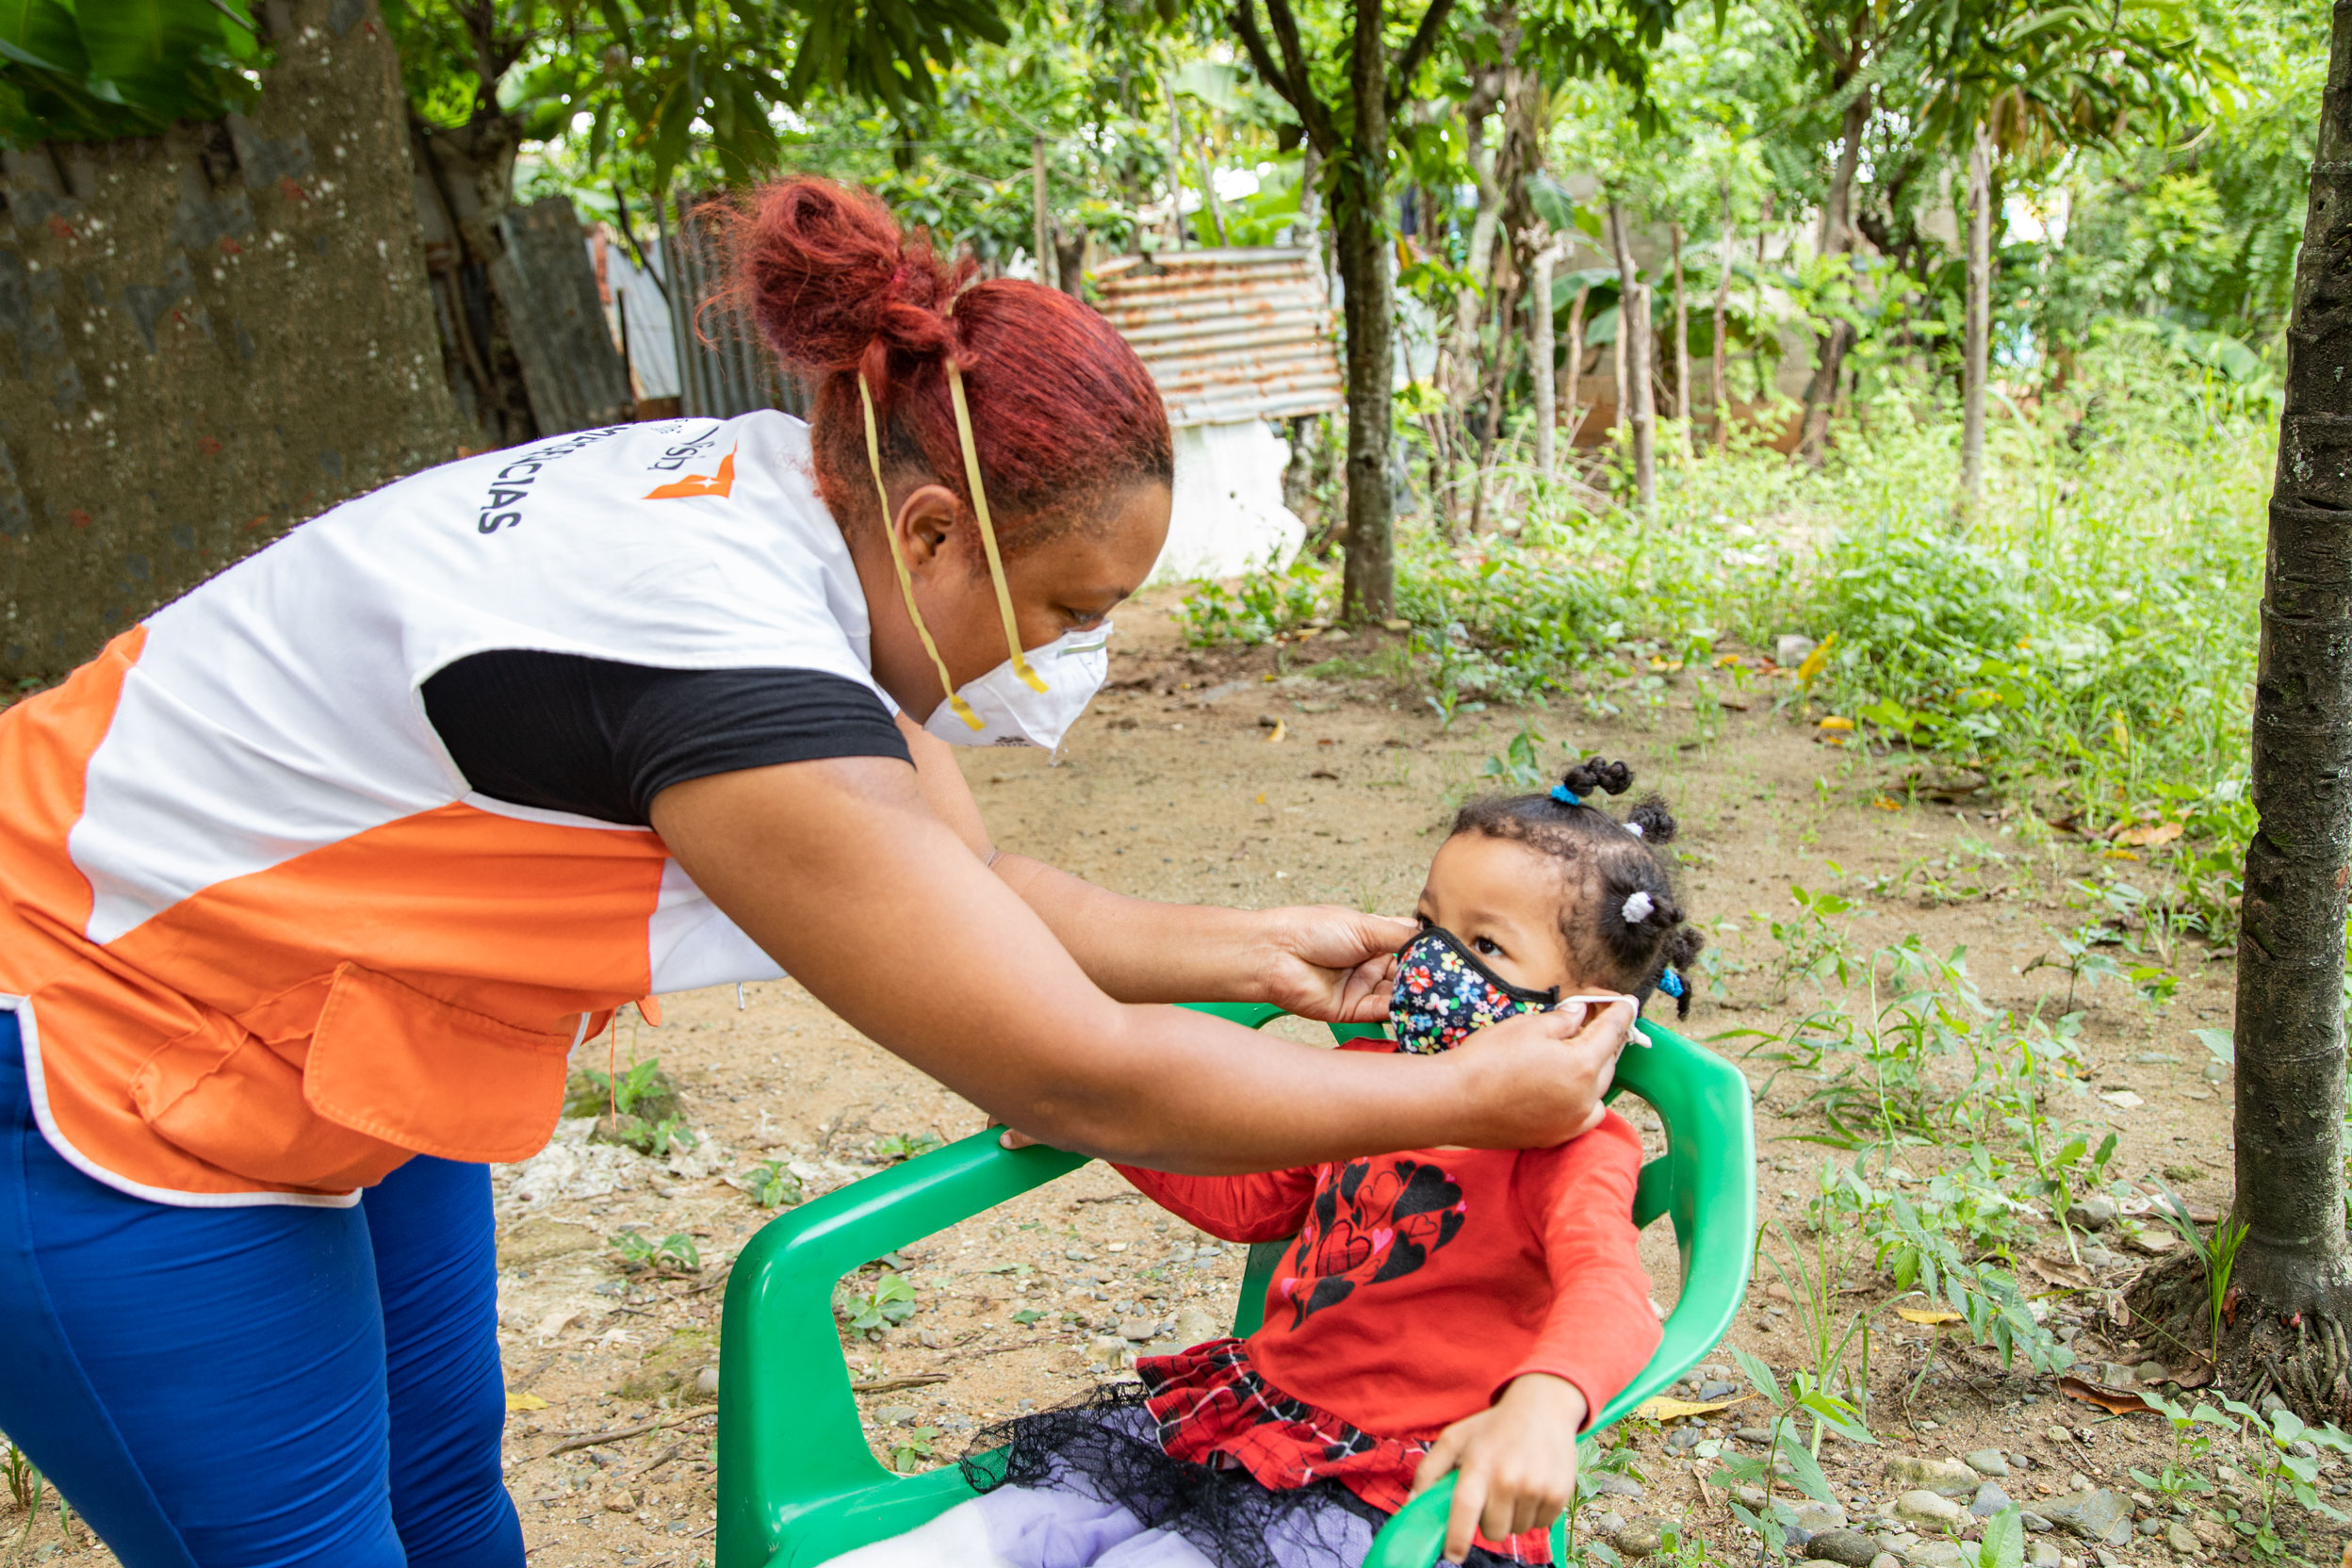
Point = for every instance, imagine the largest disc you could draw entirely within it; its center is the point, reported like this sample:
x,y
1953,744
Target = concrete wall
x,y
206,337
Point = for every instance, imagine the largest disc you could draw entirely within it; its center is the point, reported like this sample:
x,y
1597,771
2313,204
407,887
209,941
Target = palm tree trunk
x,y
1978,346
2289,1019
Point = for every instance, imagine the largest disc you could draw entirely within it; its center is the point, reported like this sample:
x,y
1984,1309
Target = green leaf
x,y
2004,1545
1804,1470
1762,1376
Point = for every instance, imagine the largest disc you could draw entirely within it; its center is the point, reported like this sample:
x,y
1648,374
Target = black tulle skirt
x,y
1105,1446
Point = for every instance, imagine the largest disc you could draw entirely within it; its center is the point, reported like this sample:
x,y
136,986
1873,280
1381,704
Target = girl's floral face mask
x,y
1443,992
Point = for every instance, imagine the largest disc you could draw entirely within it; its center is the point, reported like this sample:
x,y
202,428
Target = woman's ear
x,y
928,518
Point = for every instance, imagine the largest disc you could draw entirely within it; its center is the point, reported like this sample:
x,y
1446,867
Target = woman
x,y
310,884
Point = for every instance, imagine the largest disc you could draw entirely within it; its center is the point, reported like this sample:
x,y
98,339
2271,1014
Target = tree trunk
x,y
1540,356
1682,344
2290,1018
1977,348
1763,235
465,185
1633,331
1041,224
1720,364
1575,365
1503,345
1369,585
1462,344
1310,200
1175,165
1835,239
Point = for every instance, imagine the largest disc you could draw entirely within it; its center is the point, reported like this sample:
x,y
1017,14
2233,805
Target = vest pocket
x,y
389,1071
227,1099
427,1075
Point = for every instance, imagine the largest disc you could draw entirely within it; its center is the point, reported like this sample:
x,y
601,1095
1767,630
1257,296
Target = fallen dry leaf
x,y
517,1399
2149,835
2197,1374
1660,1408
2071,1275
2107,1399
1927,1314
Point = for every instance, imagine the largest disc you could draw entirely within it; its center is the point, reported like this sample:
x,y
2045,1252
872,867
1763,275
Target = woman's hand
x,y
1517,1458
1540,1076
1328,963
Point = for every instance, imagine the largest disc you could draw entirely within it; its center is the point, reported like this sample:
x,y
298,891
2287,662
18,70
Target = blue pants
x,y
255,1387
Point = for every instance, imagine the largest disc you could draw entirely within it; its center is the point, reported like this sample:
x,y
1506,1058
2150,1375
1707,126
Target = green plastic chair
x,y
797,1482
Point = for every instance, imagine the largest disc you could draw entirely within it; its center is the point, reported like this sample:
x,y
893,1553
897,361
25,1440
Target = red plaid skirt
x,y
1213,1408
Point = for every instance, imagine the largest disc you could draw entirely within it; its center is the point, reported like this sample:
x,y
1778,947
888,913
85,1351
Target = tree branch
x,y
1409,63
1291,78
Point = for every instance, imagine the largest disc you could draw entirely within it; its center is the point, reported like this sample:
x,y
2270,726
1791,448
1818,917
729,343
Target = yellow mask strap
x,y
987,530
906,582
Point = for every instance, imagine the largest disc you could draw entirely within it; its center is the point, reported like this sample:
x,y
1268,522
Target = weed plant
x,y
2085,638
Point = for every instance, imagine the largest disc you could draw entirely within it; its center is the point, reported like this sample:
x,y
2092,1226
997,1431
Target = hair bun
x,y
830,278
1612,778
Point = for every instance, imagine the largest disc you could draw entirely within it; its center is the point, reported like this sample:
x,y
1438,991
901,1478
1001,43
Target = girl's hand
x,y
1537,1079
1327,963
1517,1458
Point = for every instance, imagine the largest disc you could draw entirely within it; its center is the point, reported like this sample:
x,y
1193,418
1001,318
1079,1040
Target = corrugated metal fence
x,y
723,369
1227,334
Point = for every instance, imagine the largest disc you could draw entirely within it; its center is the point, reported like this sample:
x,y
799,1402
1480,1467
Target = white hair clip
x,y
1638,908
1634,829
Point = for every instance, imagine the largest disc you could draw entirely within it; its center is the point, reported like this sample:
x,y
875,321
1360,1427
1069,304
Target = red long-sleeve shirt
x,y
1422,1283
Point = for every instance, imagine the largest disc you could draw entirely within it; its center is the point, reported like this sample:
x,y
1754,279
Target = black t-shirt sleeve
x,y
600,739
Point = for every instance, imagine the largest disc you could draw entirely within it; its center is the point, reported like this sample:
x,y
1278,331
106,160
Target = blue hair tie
x,y
1565,796
1670,983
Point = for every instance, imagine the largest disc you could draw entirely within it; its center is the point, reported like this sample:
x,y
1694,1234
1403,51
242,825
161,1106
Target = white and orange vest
x,y
261,942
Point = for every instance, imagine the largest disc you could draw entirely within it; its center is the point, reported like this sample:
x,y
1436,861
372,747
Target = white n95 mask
x,y
1012,713
1012,704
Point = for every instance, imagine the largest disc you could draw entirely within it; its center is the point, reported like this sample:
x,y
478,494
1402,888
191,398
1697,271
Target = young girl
x,y
1440,1310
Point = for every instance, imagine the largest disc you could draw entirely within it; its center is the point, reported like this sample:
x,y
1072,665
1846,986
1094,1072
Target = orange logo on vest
x,y
719,483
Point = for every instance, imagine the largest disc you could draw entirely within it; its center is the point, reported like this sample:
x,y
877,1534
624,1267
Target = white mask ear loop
x,y
987,530
906,580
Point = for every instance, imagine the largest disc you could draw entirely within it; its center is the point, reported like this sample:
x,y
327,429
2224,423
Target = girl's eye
x,y
1486,946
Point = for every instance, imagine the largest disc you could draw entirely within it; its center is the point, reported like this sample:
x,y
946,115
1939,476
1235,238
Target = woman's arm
x,y
850,880
1321,962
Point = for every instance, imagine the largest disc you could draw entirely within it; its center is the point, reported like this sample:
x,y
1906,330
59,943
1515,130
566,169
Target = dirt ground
x,y
1241,779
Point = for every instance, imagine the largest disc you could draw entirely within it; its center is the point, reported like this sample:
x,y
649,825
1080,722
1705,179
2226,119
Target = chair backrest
x,y
797,1482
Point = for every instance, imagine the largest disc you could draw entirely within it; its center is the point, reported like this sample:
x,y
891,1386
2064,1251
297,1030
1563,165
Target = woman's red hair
x,y
1064,414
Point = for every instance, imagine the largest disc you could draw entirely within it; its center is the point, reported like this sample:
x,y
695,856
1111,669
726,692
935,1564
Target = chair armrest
x,y
789,1437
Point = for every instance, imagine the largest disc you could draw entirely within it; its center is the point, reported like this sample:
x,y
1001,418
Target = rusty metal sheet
x,y
1227,334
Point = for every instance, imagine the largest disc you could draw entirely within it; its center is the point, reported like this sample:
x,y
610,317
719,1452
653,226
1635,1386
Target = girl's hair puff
x,y
1623,921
